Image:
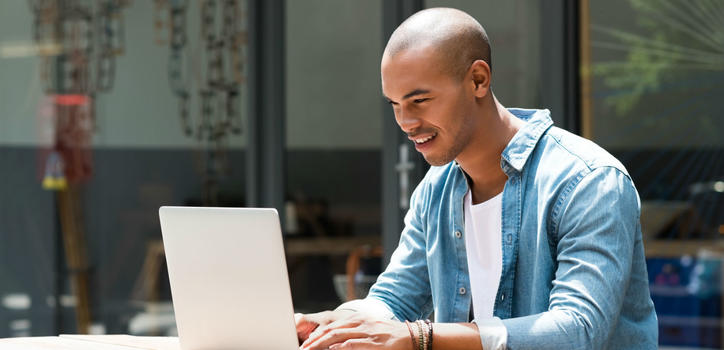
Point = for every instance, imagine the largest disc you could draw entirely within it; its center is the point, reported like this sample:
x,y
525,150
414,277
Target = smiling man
x,y
521,235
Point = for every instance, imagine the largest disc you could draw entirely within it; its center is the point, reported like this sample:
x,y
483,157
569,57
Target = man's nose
x,y
407,121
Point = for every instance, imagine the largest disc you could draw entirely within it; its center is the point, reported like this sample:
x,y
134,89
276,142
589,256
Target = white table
x,y
91,342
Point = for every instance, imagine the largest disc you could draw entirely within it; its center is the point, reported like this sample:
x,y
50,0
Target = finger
x,y
304,325
353,344
322,330
334,336
302,321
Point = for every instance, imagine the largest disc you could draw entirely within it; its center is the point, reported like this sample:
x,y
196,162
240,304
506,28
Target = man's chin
x,y
436,161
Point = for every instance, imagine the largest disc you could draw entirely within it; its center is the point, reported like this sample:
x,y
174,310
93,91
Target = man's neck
x,y
481,158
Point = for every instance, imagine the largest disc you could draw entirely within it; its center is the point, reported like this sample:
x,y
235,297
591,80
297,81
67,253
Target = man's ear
x,y
480,75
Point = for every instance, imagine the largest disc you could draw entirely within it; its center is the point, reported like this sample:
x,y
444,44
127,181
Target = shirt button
x,y
458,234
462,290
502,297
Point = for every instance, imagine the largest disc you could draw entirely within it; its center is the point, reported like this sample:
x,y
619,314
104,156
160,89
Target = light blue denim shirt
x,y
574,272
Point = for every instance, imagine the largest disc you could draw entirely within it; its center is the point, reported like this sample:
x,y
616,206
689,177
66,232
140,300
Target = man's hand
x,y
307,323
357,331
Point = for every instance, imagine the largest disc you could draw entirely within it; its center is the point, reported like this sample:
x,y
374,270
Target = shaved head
x,y
456,37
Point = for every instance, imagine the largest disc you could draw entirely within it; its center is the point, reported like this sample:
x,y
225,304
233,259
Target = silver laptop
x,y
228,278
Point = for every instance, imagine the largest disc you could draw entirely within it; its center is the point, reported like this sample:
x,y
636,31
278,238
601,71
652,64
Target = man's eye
x,y
420,100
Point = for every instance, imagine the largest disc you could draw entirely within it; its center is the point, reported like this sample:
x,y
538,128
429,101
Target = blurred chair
x,y
357,281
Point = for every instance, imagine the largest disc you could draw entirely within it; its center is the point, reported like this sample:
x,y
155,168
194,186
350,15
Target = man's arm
x,y
404,286
401,292
597,226
360,333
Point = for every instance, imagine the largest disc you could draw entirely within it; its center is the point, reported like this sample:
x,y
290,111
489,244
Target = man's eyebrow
x,y
415,93
410,94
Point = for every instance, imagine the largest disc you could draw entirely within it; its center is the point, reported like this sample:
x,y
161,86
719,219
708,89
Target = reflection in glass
x,y
109,110
658,78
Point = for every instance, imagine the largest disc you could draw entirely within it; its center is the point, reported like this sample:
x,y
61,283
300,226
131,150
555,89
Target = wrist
x,y
420,334
368,306
457,336
413,342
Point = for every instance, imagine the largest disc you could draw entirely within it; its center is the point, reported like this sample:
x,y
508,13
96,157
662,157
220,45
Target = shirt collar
x,y
520,147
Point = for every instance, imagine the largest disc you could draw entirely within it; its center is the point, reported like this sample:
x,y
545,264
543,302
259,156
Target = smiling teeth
x,y
425,139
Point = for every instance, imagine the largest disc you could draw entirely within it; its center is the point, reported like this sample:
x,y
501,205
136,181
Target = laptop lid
x,y
228,277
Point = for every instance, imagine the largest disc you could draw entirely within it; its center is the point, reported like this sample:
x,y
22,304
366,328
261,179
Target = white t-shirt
x,y
483,230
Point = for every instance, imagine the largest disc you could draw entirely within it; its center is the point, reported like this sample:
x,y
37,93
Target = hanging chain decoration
x,y
218,72
223,38
161,22
176,64
77,42
224,69
71,31
223,41
111,43
45,35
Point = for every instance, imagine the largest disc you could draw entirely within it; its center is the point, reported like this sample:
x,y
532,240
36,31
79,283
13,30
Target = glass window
x,y
656,78
513,29
333,143
109,110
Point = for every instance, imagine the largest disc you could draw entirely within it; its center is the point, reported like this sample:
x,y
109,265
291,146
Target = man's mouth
x,y
422,140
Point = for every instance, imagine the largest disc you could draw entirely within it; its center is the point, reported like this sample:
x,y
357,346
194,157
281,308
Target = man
x,y
521,235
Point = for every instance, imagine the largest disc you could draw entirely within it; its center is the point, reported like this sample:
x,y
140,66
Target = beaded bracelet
x,y
412,334
421,344
422,326
429,327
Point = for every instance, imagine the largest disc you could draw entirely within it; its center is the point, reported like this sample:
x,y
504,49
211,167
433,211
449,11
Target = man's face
x,y
431,106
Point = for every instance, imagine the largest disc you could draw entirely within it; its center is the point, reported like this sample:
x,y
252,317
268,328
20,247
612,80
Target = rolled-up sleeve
x,y
493,334
596,224
404,286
